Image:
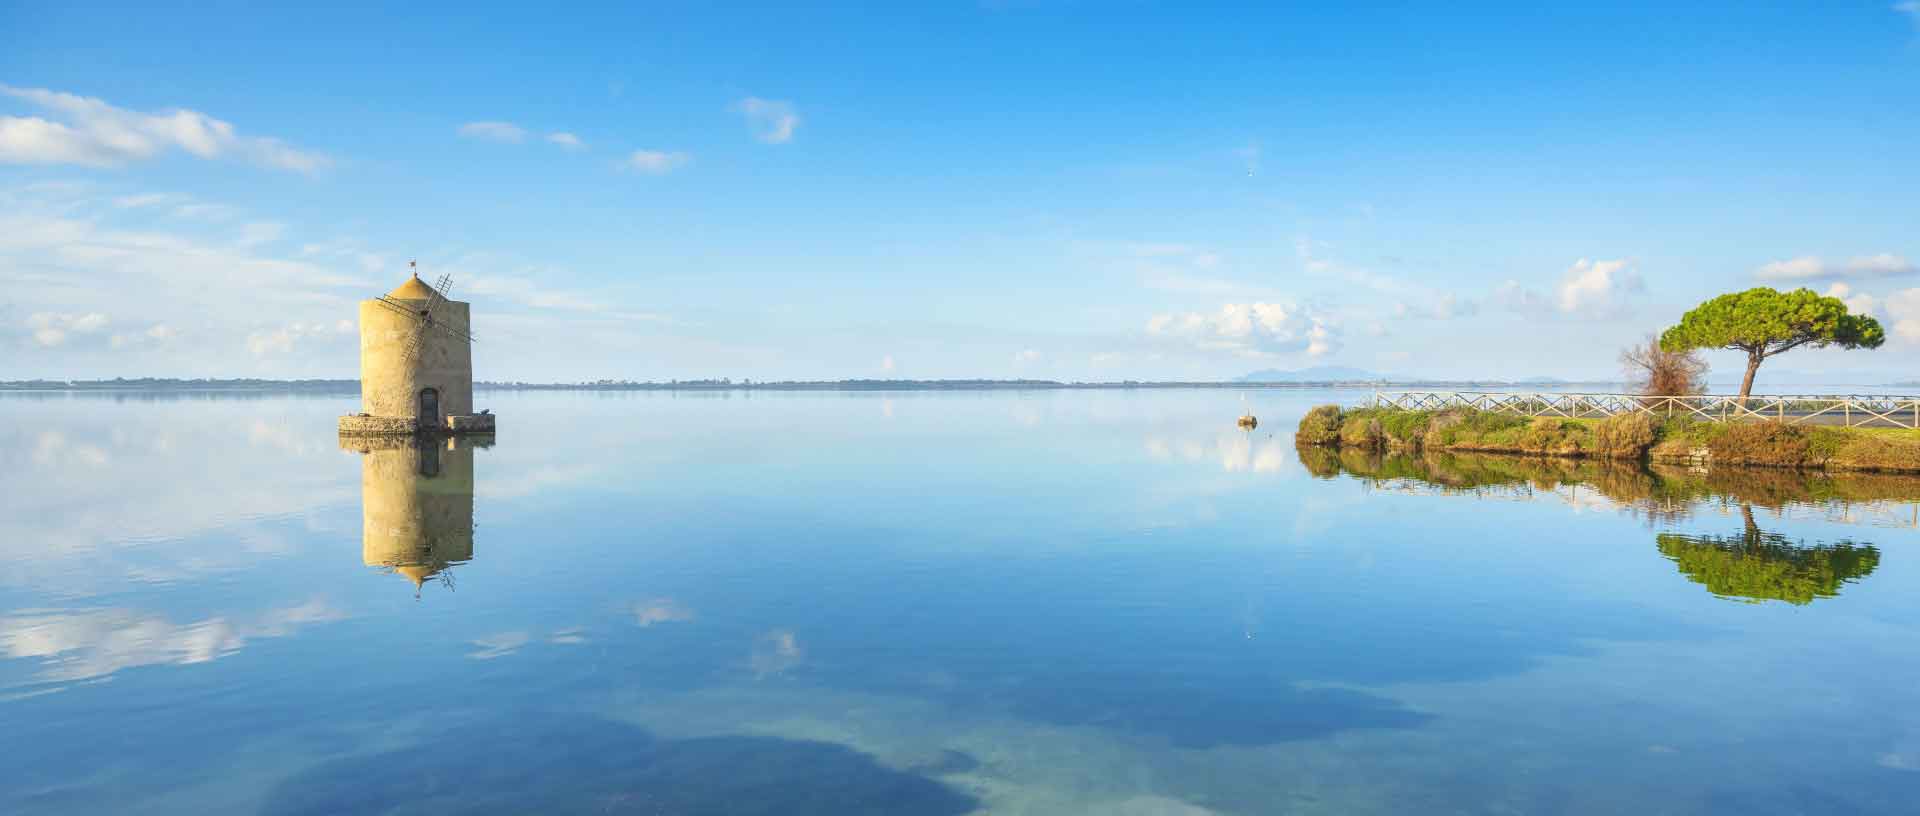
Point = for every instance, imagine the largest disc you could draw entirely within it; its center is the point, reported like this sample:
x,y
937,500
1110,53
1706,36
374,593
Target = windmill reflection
x,y
416,496
1757,566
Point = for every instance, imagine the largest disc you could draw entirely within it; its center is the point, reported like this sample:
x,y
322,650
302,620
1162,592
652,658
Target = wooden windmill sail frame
x,y
425,314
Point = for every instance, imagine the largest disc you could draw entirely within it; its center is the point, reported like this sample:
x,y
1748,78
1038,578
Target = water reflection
x,y
416,498
1661,493
1752,566
1757,566
1235,450
84,644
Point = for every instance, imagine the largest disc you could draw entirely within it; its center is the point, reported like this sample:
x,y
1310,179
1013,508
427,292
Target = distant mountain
x,y
1315,374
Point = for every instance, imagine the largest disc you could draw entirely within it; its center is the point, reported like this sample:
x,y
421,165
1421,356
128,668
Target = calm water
x,y
926,603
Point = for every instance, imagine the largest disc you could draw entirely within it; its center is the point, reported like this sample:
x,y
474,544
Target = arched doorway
x,y
429,408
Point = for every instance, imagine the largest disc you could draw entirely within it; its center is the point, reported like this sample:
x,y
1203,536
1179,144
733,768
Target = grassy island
x,y
1630,436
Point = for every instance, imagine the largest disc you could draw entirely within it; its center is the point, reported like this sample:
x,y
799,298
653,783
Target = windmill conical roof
x,y
413,289
418,573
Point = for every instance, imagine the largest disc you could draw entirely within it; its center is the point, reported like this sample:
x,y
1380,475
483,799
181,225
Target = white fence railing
x,y
1850,410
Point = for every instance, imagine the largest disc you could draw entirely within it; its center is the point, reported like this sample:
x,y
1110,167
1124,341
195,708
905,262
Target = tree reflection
x,y
1757,566
1660,493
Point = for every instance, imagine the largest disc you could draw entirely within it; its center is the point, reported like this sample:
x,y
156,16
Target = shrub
x,y
1405,429
1762,443
1472,428
1875,450
1654,371
1361,429
1321,426
1625,435
1559,436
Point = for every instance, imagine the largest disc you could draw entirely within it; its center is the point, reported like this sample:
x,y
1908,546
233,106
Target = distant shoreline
x,y
252,386
352,387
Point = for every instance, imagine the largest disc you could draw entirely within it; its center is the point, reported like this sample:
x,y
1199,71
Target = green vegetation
x,y
1759,566
1765,322
1753,566
1321,426
1651,487
1466,429
1626,436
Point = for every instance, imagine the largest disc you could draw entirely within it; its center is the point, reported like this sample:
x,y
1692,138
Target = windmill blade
x,y
438,297
398,306
449,330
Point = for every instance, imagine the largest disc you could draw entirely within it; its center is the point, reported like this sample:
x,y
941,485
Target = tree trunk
x,y
1746,385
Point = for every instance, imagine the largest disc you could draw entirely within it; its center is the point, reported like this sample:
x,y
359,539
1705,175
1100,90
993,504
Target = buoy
x,y
1247,421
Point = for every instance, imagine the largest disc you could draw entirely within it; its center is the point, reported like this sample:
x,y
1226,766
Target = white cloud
x,y
144,200
1589,287
566,140
1903,310
157,335
886,363
773,121
654,162
97,134
1251,330
528,292
1597,286
1441,306
285,339
1025,356
494,132
1861,303
1911,8
277,154
49,329
1184,268
1810,267
260,232
1308,252
64,269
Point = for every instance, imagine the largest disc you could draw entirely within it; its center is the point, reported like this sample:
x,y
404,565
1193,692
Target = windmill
x,y
426,312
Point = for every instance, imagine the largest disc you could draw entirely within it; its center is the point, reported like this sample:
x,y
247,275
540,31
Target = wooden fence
x,y
1850,410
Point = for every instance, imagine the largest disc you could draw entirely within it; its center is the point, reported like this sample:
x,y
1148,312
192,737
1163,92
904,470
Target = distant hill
x,y
1315,374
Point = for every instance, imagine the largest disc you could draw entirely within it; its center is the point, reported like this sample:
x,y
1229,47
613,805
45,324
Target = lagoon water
x,y
1106,602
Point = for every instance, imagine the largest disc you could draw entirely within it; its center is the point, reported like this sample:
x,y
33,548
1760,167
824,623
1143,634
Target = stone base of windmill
x,y
366,425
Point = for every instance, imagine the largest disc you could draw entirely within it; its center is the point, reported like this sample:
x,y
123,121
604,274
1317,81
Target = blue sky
x,y
1066,190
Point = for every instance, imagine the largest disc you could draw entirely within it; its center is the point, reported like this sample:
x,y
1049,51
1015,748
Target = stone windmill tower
x,y
416,365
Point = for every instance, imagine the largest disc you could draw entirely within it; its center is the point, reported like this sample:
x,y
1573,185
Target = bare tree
x,y
1656,372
